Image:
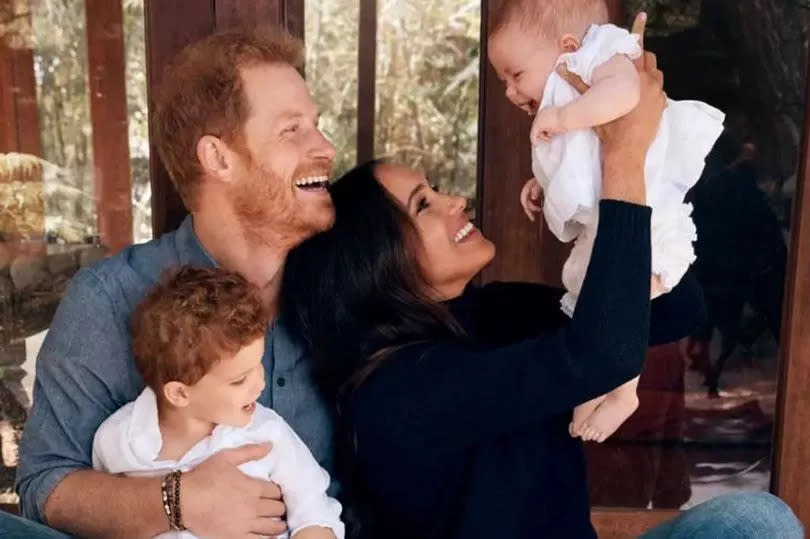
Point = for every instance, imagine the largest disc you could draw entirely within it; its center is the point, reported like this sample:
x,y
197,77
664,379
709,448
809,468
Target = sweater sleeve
x,y
451,395
517,310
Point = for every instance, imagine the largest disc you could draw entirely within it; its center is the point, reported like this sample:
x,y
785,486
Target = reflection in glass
x,y
50,209
705,423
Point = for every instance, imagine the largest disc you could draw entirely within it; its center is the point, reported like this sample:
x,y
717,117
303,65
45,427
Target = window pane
x,y
428,61
330,37
54,218
689,441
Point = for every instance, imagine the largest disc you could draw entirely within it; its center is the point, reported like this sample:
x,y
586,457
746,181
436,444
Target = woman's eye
x,y
421,205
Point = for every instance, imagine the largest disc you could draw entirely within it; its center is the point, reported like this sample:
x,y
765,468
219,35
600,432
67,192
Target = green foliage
x,y
428,57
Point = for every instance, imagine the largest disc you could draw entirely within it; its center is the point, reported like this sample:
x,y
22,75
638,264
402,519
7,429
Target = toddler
x,y
198,342
528,40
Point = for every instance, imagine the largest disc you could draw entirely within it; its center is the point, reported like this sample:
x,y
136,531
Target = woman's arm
x,y
512,311
450,395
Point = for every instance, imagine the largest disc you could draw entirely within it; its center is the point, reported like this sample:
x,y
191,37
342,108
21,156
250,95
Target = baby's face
x,y
523,61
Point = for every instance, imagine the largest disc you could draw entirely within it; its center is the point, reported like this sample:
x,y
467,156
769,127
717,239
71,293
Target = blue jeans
x,y
733,516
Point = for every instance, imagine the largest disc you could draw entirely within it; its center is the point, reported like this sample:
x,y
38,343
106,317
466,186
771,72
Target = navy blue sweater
x,y
468,438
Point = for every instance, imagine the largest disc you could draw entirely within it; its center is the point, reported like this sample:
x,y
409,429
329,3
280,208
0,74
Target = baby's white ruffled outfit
x,y
569,168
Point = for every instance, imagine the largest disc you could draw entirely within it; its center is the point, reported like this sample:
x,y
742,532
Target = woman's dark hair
x,y
354,293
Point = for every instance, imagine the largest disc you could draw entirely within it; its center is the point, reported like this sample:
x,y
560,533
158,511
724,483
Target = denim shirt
x,y
85,370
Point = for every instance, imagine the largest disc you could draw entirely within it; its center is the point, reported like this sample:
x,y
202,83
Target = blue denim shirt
x,y
85,370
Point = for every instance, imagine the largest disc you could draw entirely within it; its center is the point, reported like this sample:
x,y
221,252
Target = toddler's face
x,y
523,61
227,394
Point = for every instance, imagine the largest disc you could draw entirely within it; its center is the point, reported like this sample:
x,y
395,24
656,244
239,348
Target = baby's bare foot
x,y
608,416
581,414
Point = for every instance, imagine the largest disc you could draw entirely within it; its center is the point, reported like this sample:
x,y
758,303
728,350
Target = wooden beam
x,y
616,12
25,89
791,451
247,13
170,25
294,17
19,113
8,107
108,115
366,79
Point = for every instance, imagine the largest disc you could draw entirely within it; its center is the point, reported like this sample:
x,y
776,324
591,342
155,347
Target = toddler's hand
x,y
530,198
547,122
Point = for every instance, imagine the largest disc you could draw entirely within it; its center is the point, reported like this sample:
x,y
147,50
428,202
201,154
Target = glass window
x,y
53,217
330,37
428,63
705,423
426,84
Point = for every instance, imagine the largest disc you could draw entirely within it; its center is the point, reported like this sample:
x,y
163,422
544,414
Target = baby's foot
x,y
581,414
608,416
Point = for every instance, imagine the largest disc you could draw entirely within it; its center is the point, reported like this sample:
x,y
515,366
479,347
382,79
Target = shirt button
x,y
281,382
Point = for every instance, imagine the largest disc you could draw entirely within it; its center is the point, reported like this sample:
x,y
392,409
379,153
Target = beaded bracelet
x,y
170,492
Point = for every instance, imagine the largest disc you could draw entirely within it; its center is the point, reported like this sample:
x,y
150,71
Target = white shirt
x,y
129,443
568,167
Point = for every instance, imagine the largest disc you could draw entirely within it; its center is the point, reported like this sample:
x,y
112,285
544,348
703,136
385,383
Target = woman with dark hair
x,y
454,401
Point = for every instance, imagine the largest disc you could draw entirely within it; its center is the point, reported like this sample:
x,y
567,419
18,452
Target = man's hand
x,y
530,197
547,123
218,500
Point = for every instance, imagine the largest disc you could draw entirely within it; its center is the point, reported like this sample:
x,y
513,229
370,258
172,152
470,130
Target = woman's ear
x,y
569,43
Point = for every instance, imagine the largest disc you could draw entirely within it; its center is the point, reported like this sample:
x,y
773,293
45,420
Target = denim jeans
x,y
733,516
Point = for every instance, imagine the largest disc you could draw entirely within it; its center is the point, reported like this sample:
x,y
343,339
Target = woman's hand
x,y
625,141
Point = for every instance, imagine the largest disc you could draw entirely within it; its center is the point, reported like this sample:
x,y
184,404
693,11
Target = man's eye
x,y
290,129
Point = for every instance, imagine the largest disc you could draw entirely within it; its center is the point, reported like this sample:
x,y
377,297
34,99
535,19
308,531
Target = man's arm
x,y
84,373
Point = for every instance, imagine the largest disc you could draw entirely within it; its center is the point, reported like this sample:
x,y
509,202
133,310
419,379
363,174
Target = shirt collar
x,y
189,249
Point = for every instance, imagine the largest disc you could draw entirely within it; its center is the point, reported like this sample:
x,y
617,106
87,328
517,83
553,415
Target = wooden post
x,y
366,79
19,130
791,451
108,115
170,25
526,251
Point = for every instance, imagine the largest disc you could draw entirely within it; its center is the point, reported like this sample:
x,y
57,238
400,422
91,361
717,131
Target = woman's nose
x,y
457,204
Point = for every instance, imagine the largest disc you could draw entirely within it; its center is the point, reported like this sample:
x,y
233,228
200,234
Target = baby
x,y
528,40
198,341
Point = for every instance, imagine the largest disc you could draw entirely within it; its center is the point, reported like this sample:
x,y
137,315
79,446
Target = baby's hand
x,y
530,198
547,123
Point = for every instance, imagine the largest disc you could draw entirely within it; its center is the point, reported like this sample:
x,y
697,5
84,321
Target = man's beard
x,y
269,212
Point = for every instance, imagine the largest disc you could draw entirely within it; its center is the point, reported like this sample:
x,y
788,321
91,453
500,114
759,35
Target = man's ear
x,y
215,157
568,43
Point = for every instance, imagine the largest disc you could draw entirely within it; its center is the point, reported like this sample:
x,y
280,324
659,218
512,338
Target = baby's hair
x,y
191,320
548,18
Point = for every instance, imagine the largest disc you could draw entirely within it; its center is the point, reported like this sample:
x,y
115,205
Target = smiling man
x,y
238,133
